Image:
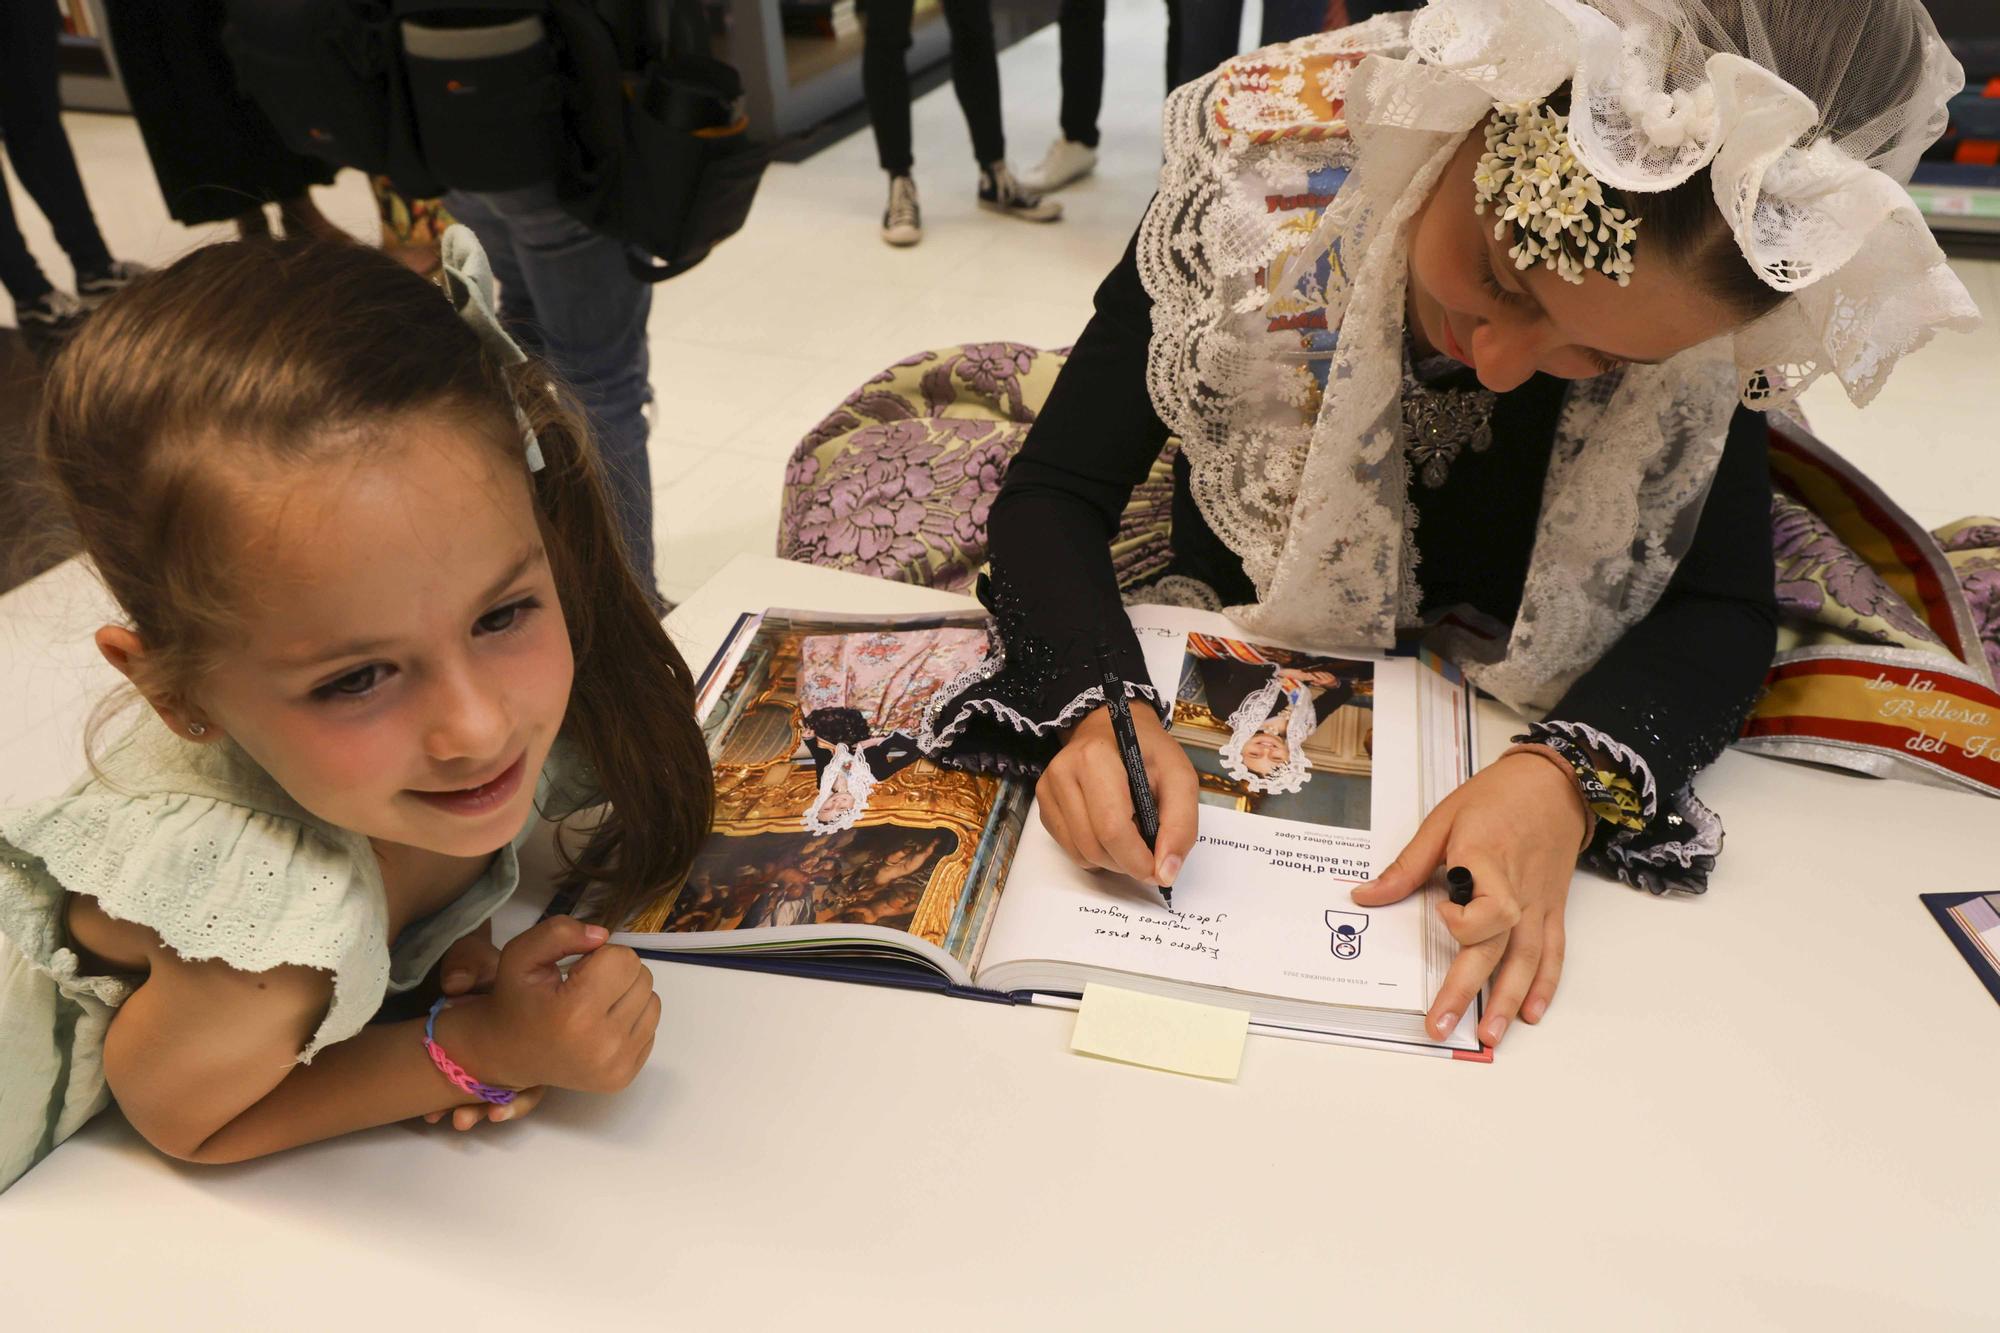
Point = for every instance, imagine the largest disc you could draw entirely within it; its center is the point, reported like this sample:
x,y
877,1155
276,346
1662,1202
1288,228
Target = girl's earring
x,y
197,728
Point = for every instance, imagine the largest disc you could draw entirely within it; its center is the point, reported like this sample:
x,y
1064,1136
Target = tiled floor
x,y
752,347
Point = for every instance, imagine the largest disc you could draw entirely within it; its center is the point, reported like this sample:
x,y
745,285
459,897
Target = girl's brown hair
x,y
251,353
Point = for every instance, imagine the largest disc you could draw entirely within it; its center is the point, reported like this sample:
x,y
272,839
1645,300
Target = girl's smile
x,y
480,798
408,681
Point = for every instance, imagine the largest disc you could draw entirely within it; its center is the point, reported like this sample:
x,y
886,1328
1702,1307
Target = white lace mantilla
x,y
1292,178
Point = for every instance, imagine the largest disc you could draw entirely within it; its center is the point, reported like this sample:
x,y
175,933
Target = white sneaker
x,y
902,222
1001,193
1066,162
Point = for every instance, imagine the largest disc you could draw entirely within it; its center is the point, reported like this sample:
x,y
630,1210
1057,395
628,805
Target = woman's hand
x,y
1086,801
1516,825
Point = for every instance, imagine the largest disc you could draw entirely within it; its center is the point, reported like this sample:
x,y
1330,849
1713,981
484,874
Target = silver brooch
x,y
1439,423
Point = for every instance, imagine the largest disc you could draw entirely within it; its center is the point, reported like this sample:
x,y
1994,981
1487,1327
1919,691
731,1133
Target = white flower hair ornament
x,y
1530,177
1659,90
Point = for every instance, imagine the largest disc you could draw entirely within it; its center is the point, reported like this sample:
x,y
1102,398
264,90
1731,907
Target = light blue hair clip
x,y
468,282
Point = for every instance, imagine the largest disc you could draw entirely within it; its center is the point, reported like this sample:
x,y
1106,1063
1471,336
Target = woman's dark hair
x,y
255,353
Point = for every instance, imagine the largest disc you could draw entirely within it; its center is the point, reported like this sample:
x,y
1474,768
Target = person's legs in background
x,y
885,86
567,294
975,77
31,124
1207,36
1288,20
1080,32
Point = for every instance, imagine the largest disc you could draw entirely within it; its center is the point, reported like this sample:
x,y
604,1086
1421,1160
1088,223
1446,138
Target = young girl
x,y
1464,323
377,605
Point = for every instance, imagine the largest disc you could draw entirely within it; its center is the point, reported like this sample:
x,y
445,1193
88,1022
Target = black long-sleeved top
x,y
1662,703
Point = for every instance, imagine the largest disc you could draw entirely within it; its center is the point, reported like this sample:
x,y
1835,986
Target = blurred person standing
x,y
1073,155
214,152
31,125
975,77
568,293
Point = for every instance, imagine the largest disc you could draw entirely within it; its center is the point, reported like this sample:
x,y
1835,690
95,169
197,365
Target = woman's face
x,y
1468,301
1263,753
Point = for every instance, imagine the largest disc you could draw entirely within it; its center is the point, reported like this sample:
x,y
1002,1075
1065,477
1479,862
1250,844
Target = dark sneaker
x,y
94,289
48,321
902,222
1000,192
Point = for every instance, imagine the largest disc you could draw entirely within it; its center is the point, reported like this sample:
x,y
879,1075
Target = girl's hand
x,y
1516,825
591,1031
1086,801
478,1113
470,964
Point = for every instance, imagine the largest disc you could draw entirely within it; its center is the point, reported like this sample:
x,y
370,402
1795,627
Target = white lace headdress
x,y
1316,504
1295,771
849,767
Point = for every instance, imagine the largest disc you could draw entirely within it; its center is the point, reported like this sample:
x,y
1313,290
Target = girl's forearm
x,y
380,1075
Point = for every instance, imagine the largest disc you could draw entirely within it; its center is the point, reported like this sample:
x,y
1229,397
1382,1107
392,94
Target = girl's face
x,y
1468,301
407,667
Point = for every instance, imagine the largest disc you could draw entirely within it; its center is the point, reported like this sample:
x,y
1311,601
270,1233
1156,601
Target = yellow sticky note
x,y
1148,1030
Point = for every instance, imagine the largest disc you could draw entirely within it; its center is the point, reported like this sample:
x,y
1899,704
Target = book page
x,y
1310,783
833,833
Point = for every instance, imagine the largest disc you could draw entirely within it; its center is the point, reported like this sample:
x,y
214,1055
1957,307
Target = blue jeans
x,y
566,294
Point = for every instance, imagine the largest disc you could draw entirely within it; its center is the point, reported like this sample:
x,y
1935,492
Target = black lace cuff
x,y
1644,841
1006,714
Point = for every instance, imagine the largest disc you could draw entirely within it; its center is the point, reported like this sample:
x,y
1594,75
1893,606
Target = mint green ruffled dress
x,y
199,844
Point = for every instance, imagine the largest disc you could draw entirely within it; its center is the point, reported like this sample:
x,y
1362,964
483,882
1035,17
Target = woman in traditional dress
x,y
861,699
1271,711
1465,322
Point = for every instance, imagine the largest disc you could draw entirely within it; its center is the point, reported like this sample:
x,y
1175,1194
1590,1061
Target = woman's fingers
x,y
1107,796
1511,980
1061,790
1179,794
1468,973
1492,911
1049,802
1082,845
1549,975
1413,866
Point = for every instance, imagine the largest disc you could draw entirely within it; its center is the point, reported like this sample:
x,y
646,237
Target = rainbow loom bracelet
x,y
449,1067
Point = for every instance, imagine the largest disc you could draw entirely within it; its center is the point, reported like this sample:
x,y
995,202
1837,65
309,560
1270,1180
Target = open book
x,y
840,850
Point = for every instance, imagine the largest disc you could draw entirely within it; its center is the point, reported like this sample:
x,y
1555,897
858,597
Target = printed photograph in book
x,y
1279,733
826,810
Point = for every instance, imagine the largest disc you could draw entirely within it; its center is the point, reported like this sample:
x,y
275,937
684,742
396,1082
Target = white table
x,y
1771,1106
